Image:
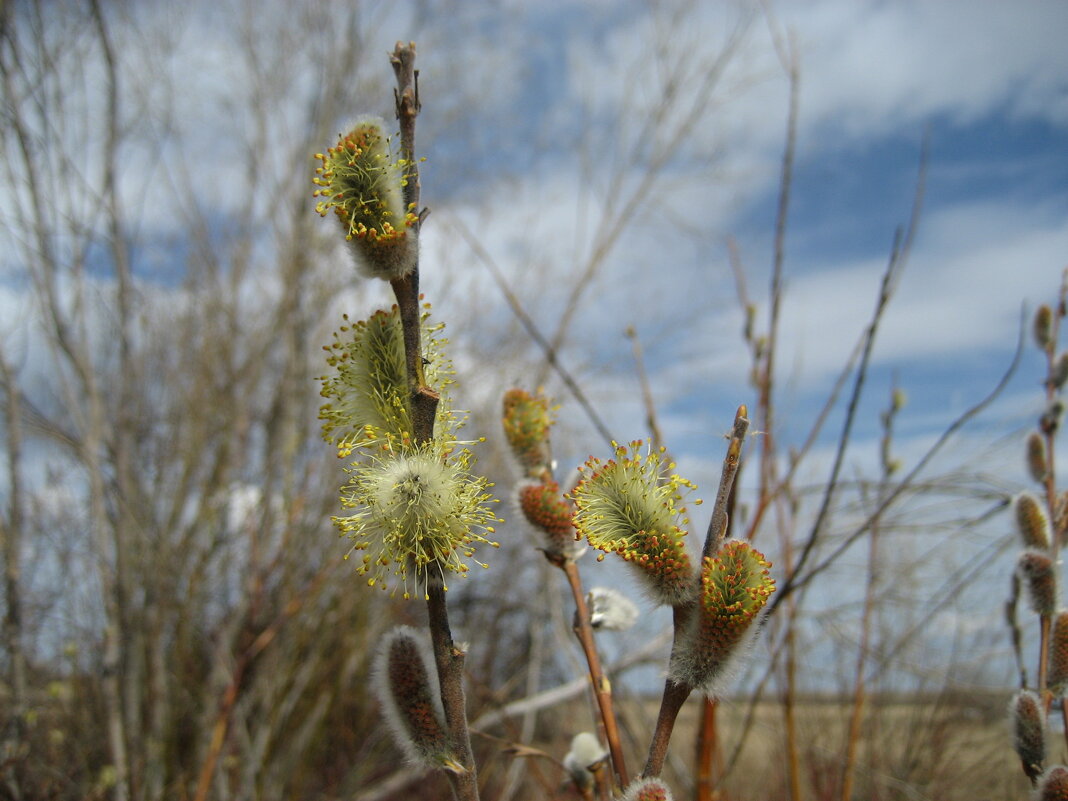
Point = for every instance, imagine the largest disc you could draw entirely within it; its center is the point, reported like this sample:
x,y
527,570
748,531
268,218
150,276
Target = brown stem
x,y
675,696
709,759
450,664
1064,715
1043,657
602,688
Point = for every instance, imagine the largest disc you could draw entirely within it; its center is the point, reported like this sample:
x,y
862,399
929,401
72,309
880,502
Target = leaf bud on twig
x,y
586,752
610,610
1060,371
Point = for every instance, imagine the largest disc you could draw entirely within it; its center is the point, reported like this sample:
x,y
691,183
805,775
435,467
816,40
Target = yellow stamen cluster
x,y
527,420
367,390
625,506
735,587
416,515
361,181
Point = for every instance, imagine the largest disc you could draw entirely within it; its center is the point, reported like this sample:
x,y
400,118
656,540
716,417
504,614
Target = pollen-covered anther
x,y
545,508
735,586
362,182
417,515
527,419
625,506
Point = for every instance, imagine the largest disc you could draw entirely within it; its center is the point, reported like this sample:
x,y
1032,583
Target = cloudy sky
x,y
639,145
569,106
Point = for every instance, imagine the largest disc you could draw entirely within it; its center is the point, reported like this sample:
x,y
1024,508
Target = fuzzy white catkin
x,y
586,750
610,609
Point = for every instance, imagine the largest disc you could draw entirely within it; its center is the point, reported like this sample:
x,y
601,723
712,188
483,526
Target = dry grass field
x,y
949,748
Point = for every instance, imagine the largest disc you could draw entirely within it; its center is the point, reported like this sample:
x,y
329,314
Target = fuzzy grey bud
x,y
1028,730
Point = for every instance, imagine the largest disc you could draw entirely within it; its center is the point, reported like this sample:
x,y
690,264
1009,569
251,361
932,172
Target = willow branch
x,y
447,657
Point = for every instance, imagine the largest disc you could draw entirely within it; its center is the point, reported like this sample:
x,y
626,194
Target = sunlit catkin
x,y
625,506
1037,463
527,419
1038,574
415,516
735,586
1032,522
366,385
1057,677
361,181
407,690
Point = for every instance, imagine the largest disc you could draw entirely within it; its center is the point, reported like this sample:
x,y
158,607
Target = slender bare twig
x,y
525,320
655,435
602,688
860,678
898,257
11,531
795,581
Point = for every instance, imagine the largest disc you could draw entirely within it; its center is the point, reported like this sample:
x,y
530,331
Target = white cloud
x,y
973,266
869,67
